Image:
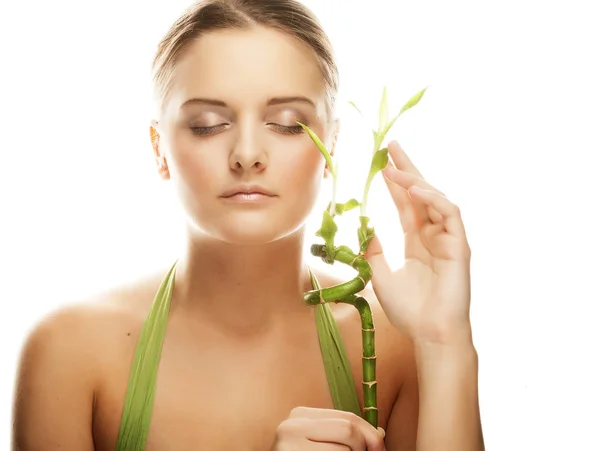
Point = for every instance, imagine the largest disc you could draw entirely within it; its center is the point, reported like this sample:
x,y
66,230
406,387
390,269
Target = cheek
x,y
194,171
301,175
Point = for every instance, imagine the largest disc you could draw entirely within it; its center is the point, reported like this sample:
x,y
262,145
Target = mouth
x,y
247,191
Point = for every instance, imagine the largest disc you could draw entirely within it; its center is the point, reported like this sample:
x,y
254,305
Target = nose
x,y
248,153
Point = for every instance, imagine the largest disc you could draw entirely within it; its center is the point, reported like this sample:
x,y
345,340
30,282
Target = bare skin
x,y
211,385
241,353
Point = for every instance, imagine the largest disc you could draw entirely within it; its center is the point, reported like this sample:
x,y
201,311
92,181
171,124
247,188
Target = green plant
x,y
330,253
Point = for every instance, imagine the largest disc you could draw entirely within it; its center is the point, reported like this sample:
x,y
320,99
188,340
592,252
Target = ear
x,y
159,158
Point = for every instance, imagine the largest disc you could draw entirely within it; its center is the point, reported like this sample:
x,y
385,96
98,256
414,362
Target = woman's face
x,y
230,124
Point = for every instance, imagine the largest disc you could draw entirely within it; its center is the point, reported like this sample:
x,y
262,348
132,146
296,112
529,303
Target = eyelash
x,y
203,131
286,130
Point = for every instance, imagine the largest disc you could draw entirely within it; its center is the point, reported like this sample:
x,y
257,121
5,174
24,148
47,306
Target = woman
x,y
240,365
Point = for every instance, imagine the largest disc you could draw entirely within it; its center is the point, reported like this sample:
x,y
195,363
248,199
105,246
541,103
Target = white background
x,y
509,129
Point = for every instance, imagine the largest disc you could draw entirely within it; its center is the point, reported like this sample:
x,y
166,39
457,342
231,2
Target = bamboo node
x,y
362,280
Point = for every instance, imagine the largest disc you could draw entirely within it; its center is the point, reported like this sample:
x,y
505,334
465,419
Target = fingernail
x,y
381,431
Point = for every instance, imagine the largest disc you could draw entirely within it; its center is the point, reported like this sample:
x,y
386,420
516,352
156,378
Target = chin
x,y
253,231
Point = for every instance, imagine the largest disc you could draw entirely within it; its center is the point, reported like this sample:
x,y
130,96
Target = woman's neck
x,y
243,289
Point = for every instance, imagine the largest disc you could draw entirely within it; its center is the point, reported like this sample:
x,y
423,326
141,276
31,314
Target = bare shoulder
x,y
84,327
63,361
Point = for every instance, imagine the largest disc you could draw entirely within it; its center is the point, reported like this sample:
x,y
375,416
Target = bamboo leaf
x,y
351,204
321,147
335,359
341,208
313,278
383,110
379,161
408,105
141,389
412,101
328,230
355,107
378,139
365,233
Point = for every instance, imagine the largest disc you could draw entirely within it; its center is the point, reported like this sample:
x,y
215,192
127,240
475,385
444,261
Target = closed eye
x,y
284,129
287,129
203,131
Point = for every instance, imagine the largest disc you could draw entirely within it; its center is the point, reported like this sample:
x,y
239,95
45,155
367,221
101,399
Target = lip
x,y
251,198
245,191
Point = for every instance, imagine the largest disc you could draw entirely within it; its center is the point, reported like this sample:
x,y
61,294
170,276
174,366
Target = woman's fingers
x,y
339,427
406,211
401,159
450,213
403,181
336,430
430,205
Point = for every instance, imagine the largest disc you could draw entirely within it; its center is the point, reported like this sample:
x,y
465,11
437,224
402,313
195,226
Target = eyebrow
x,y
270,102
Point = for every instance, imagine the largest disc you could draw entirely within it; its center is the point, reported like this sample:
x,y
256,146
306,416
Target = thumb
x,y
374,255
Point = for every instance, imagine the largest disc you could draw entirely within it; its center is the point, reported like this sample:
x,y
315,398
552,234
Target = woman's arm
x,y
448,388
438,405
54,393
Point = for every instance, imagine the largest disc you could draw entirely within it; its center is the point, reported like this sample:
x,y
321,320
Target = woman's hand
x,y
429,297
310,429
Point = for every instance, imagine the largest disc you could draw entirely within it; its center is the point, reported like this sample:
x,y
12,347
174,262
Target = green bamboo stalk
x,y
343,254
345,293
329,253
369,359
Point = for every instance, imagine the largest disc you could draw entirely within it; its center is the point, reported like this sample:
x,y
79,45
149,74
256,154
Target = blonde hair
x,y
288,16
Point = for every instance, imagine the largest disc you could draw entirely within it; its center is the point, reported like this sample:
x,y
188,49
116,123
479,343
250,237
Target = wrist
x,y
446,343
446,357
445,335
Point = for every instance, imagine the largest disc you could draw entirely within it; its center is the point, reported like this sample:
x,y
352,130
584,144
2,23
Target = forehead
x,y
247,67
